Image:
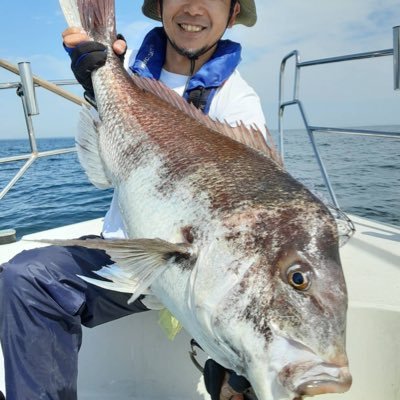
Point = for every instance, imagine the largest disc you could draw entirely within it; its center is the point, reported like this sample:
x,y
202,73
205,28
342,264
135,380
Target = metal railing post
x,y
26,91
28,120
28,96
281,94
321,165
28,88
396,57
395,52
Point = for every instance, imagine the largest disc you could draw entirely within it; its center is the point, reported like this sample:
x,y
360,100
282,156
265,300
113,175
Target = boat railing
x,y
311,129
25,89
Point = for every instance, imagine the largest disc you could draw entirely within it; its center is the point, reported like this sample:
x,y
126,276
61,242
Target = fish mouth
x,y
336,380
322,379
323,385
309,375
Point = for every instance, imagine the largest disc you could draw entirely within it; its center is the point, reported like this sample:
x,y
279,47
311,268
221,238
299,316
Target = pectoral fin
x,y
138,261
87,145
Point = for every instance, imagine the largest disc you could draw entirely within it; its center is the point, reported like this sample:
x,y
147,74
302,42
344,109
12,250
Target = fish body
x,y
240,252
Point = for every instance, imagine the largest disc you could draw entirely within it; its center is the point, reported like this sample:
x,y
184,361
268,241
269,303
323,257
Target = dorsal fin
x,y
251,137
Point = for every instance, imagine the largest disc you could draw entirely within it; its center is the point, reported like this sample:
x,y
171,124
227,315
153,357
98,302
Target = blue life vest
x,y
203,85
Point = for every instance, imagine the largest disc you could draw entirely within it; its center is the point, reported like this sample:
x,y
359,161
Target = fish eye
x,y
298,278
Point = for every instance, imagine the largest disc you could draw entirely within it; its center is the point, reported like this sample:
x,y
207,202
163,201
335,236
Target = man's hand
x,y
222,384
227,393
87,55
73,36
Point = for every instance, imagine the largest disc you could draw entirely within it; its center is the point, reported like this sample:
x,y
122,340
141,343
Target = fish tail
x,y
71,12
96,17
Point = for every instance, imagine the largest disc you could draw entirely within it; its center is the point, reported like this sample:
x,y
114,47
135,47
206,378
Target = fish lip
x,y
324,384
319,377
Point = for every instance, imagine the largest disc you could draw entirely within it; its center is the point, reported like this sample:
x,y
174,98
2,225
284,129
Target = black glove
x,y
214,375
85,58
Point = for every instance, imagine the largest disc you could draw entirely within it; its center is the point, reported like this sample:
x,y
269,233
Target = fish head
x,y
285,319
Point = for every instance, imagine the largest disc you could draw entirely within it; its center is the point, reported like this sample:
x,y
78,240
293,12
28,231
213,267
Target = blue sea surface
x,y
364,171
55,191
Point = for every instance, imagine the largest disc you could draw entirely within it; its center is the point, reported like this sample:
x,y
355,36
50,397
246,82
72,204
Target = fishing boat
x,y
132,358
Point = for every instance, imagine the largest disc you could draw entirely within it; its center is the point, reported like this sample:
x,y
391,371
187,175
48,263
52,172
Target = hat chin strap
x,y
192,54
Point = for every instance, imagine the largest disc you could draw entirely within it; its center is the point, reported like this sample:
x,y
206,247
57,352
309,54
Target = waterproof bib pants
x,y
43,304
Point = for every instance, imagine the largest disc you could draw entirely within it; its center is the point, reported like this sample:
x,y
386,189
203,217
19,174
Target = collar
x,y
151,56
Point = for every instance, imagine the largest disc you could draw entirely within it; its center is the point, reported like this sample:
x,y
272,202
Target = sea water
x,y
364,172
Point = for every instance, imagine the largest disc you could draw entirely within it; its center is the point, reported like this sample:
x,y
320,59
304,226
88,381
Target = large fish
x,y
239,251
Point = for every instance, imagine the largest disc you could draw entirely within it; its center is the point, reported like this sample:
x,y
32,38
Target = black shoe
x,y
2,397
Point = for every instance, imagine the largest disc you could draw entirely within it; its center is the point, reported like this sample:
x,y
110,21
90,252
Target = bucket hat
x,y
247,15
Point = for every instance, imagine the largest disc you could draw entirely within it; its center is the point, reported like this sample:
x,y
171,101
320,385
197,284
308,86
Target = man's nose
x,y
194,7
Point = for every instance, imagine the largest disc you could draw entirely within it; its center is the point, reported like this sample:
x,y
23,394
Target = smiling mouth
x,y
191,28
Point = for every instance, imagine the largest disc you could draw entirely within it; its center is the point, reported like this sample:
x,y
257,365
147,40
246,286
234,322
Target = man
x,y
40,292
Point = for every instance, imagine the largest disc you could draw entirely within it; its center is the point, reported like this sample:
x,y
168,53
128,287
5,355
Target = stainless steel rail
x,y
45,84
295,101
396,57
60,82
26,91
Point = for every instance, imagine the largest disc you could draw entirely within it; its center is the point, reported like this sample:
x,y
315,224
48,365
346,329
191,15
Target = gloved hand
x,y
87,56
224,384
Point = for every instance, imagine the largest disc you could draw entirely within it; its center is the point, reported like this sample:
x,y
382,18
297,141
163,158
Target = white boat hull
x,y
132,359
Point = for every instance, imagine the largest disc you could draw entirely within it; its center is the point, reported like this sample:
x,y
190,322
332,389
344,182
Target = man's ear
x,y
236,11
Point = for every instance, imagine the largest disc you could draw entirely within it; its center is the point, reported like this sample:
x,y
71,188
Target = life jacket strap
x,y
200,98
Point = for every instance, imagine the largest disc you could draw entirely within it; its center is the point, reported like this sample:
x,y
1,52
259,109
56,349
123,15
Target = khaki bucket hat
x,y
247,15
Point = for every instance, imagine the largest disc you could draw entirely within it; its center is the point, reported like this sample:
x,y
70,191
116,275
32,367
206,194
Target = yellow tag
x,y
170,325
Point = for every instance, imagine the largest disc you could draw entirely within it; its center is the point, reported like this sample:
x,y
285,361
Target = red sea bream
x,y
240,252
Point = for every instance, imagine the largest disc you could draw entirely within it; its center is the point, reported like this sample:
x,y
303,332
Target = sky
x,y
357,93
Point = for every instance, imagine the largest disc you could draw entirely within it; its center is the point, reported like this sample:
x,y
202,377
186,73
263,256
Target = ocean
x,y
364,173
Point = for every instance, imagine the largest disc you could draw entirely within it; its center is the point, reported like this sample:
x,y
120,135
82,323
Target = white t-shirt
x,y
235,101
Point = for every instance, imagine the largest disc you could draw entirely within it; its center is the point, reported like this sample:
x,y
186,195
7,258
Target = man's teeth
x,y
191,28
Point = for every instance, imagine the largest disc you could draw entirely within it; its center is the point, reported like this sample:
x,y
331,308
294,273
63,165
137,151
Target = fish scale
x,y
191,149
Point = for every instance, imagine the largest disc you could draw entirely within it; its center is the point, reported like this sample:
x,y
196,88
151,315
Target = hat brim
x,y
247,15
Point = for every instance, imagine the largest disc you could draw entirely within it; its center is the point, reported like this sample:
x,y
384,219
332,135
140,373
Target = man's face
x,y
196,24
